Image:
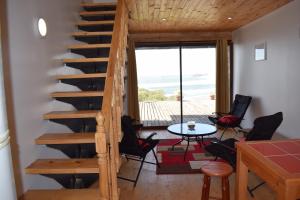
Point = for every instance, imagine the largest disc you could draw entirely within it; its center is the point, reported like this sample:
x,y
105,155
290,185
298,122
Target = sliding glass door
x,y
198,82
158,85
176,83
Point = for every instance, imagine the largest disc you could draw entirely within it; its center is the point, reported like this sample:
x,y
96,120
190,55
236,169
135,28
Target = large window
x,y
176,83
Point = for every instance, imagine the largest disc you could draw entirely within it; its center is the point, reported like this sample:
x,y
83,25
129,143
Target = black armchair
x,y
234,118
135,148
263,129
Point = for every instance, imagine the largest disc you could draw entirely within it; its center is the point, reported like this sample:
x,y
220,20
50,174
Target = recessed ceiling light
x,y
164,19
229,18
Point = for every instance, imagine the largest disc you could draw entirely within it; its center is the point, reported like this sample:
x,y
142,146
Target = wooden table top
x,y
281,155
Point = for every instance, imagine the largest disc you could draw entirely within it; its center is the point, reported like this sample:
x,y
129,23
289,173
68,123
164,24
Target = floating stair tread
x,y
63,194
66,138
89,46
77,94
64,166
90,34
71,114
95,23
81,76
85,60
97,13
104,4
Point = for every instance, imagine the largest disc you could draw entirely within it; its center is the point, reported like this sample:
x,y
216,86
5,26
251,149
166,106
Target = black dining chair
x,y
135,148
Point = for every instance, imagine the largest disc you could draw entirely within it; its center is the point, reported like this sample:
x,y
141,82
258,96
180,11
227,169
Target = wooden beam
x,y
97,13
71,114
77,94
180,36
81,76
63,166
89,46
66,138
62,194
84,60
90,34
102,4
95,23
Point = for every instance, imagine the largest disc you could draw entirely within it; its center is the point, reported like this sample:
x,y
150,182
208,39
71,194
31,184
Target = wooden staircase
x,y
92,148
64,166
66,138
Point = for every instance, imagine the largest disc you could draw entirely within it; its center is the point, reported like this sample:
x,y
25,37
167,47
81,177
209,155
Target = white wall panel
x,y
34,61
274,83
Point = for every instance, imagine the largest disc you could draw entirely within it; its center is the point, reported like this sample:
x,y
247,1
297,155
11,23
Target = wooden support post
x,y
112,105
225,188
113,168
101,148
205,188
241,178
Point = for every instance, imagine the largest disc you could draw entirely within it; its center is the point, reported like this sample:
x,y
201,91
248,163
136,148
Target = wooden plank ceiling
x,y
196,15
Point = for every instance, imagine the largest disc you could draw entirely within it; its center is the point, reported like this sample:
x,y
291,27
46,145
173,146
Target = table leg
x,y
187,147
225,188
286,192
177,143
205,188
241,178
198,141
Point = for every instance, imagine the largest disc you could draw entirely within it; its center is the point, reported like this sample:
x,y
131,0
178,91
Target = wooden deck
x,y
165,113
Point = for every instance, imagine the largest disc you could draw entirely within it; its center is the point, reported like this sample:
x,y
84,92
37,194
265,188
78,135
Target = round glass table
x,y
199,131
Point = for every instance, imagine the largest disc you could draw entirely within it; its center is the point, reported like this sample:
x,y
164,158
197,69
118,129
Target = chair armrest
x,y
220,113
150,136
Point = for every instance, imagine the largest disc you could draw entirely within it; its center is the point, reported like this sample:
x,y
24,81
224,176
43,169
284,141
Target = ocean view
x,y
194,86
158,69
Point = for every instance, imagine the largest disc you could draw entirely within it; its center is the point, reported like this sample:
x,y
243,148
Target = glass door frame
x,y
180,45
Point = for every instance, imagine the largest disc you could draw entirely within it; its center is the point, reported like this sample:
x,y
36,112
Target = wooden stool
x,y
218,169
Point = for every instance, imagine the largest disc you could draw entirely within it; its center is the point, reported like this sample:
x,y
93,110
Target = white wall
x,y
274,83
33,63
7,181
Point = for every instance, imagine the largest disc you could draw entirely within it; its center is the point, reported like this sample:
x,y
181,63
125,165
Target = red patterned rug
x,y
171,161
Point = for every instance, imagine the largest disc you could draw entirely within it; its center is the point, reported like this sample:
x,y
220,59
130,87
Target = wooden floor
x,y
176,187
165,113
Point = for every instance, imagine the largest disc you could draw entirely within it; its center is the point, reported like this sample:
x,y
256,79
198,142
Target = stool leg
x,y
205,188
225,188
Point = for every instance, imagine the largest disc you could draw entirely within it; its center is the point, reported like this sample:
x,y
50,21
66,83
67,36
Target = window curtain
x,y
222,78
132,84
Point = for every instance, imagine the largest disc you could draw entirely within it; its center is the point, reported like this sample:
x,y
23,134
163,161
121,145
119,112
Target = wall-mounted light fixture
x,y
42,27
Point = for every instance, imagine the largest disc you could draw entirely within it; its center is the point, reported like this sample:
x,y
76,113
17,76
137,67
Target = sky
x,y
158,62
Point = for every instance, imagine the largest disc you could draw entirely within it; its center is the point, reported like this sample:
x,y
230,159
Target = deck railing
x,y
108,132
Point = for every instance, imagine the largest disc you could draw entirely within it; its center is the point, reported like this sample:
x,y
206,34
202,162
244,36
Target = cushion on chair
x,y
143,143
228,119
